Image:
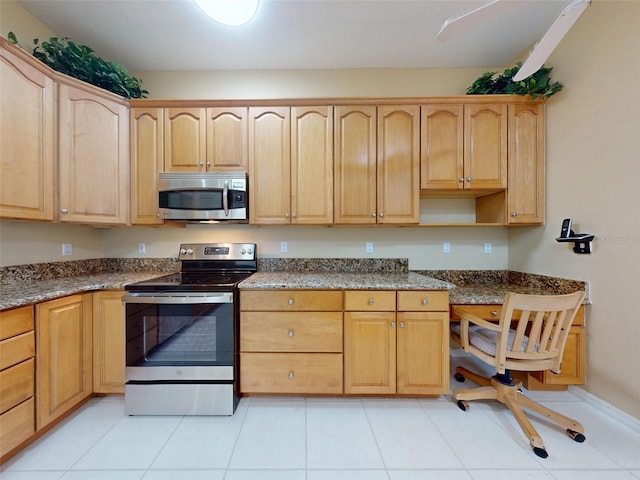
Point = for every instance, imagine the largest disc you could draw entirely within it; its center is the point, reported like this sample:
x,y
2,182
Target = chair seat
x,y
485,339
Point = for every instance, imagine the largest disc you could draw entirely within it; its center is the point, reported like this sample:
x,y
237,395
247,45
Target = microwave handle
x,y
225,198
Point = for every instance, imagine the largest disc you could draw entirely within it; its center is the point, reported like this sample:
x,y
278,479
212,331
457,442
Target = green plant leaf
x,y
537,85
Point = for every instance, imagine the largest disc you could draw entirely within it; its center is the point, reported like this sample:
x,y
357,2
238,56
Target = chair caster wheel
x,y
576,436
541,452
463,405
458,377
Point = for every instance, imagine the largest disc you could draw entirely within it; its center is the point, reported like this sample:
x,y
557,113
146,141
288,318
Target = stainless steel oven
x,y
182,334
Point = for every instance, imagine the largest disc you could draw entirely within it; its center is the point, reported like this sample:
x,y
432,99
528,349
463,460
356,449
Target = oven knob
x,y
250,252
189,251
243,251
183,251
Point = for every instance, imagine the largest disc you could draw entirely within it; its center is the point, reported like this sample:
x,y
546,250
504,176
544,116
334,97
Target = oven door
x,y
179,337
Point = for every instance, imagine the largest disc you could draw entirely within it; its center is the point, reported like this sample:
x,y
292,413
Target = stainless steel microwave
x,y
203,197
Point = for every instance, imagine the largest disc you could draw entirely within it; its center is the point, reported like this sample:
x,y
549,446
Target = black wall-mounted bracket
x,y
582,241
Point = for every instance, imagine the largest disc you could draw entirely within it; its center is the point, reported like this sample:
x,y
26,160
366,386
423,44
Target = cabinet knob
x,y
208,164
401,324
373,214
514,214
469,179
381,214
64,210
291,334
494,313
290,301
371,301
293,215
200,163
290,375
425,301
461,179
393,324
286,215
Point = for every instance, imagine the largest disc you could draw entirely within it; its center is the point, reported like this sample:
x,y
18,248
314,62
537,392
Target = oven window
x,y
191,199
173,335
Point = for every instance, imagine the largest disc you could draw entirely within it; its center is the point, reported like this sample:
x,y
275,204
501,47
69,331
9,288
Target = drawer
x,y
423,301
16,426
17,384
16,321
486,312
291,300
291,332
17,349
370,300
298,373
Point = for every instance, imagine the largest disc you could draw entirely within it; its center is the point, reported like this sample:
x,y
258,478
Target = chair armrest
x,y
470,317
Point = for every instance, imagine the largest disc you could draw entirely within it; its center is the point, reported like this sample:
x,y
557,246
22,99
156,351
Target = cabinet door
x,y
147,159
94,158
423,353
355,169
525,198
369,352
312,165
398,172
227,139
108,342
573,361
185,138
485,146
442,147
63,357
26,139
269,165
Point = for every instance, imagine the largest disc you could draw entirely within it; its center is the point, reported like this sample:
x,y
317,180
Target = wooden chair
x,y
530,336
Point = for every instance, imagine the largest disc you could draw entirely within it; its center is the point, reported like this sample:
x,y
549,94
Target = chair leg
x,y
571,425
474,377
479,393
509,396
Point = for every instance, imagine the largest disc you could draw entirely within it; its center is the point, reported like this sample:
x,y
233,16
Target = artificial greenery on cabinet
x,y
79,61
537,85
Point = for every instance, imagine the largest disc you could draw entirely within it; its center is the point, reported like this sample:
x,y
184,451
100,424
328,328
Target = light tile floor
x,y
284,438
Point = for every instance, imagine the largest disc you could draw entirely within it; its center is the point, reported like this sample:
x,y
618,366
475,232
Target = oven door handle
x,y
224,297
225,198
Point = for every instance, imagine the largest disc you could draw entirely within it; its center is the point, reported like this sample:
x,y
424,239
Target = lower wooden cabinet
x,y
108,342
17,377
64,357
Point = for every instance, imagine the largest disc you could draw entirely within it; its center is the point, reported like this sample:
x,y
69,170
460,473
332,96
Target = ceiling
x,y
294,34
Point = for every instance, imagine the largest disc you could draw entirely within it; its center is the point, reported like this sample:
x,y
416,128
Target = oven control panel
x,y
217,251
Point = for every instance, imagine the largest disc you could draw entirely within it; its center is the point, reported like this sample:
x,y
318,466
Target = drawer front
x,y
17,384
291,300
291,332
17,425
423,301
16,321
370,300
486,312
298,373
17,349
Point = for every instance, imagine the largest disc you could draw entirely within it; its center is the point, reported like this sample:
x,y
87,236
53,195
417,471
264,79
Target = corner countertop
x,y
343,281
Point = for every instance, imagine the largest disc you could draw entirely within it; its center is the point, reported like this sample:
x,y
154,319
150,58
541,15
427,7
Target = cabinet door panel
x,y
485,132
369,352
442,156
108,342
355,172
185,137
227,139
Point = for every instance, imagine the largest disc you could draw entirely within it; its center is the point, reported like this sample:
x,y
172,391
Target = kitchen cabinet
x,y
64,356
17,377
396,345
108,342
27,138
573,361
377,164
93,155
291,342
227,139
464,147
147,161
185,139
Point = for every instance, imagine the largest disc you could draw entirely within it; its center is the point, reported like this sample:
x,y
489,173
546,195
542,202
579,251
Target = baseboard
x,y
607,408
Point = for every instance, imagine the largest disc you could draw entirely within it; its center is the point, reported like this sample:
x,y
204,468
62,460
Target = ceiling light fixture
x,y
229,12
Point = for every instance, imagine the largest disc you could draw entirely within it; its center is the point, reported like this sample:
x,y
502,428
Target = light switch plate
x,y
369,247
67,249
284,247
446,247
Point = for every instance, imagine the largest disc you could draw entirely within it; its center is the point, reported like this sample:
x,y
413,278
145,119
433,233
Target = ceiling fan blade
x,y
551,39
464,22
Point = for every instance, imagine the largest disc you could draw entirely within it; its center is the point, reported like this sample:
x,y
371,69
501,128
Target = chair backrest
x,y
541,324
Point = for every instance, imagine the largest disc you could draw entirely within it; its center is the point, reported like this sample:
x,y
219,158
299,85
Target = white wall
x,y
593,176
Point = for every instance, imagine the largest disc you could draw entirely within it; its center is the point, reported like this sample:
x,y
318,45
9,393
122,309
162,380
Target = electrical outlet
x,y
487,247
446,247
284,247
67,249
142,248
369,247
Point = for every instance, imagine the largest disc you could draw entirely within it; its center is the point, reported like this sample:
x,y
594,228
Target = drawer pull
x,y
393,324
401,324
371,301
291,301
290,374
425,301
291,334
494,313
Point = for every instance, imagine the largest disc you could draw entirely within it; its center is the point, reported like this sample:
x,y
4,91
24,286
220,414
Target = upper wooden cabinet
x,y
464,147
227,139
93,155
526,192
185,139
377,164
147,160
291,165
27,112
